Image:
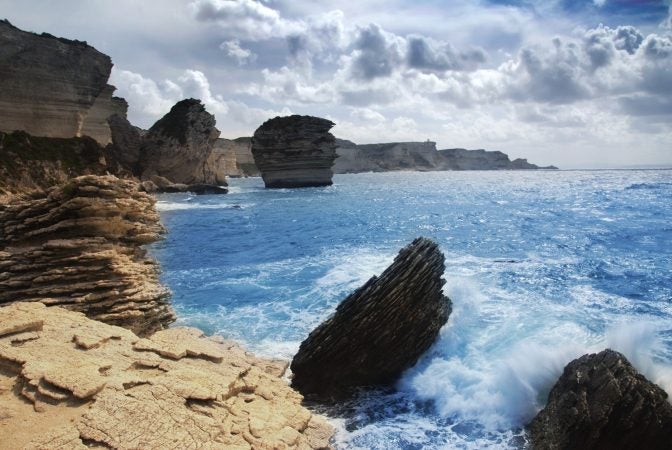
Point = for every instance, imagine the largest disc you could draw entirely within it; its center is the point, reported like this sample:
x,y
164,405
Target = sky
x,y
577,84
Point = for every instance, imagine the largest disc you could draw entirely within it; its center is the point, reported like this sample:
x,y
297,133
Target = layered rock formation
x,y
81,383
379,330
54,87
420,156
179,144
602,402
233,157
294,151
78,245
28,162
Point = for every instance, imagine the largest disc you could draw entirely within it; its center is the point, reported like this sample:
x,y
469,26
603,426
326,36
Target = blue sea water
x,y
541,266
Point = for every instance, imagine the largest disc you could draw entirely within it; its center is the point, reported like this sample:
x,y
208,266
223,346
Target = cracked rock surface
x,y
70,382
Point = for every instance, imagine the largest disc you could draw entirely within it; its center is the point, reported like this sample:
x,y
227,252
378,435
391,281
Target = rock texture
x,y
178,146
233,158
379,330
29,162
78,245
602,402
75,383
53,87
96,121
420,156
295,151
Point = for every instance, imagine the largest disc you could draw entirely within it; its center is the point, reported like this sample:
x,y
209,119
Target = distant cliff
x,y
420,156
54,87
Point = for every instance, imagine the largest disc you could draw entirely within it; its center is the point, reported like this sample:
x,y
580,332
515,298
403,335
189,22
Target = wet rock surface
x,y
379,330
79,245
79,382
295,151
602,402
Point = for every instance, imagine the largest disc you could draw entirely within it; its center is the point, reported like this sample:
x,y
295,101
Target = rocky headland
x,y
295,151
601,402
379,330
420,156
70,382
79,245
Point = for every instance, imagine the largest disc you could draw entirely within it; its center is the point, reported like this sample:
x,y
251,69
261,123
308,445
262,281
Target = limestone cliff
x,y
71,382
233,157
53,87
294,151
420,156
78,245
179,144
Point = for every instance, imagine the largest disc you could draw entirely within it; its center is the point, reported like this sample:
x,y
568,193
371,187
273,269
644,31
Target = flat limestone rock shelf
x,y
71,382
79,245
295,151
379,330
601,402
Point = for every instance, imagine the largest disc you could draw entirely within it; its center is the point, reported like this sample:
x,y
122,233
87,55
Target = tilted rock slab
x,y
54,87
602,402
295,151
175,389
379,330
78,245
179,145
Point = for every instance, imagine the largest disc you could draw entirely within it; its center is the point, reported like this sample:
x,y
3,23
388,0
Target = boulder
x,y
179,145
295,151
77,383
54,87
602,402
79,245
379,330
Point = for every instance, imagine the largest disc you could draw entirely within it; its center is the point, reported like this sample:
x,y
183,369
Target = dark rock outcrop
x,y
29,162
420,156
124,149
79,246
179,144
295,151
379,330
602,402
54,87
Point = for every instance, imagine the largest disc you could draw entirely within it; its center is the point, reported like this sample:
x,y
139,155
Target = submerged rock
x,y
79,245
179,145
295,151
379,330
602,402
175,389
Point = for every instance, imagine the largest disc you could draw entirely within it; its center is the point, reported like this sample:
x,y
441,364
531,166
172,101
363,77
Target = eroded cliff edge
x,y
79,382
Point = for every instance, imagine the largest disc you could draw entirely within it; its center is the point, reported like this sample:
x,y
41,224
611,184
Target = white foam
x,y
162,205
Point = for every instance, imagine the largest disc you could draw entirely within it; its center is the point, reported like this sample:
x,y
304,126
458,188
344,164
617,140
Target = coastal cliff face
x,y
294,151
602,402
379,330
81,383
178,146
420,156
53,87
233,157
79,245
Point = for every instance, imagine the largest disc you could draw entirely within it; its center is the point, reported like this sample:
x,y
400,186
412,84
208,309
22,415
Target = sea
x,y
541,267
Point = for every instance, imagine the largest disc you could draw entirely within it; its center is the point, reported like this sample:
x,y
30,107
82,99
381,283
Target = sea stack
x,y
602,402
295,151
379,330
79,246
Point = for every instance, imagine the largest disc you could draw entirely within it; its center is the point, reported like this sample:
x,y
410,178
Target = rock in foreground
x,y
379,330
602,402
78,245
70,382
295,151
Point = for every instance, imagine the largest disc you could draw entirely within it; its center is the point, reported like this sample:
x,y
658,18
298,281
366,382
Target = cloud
x,y
428,54
377,53
240,55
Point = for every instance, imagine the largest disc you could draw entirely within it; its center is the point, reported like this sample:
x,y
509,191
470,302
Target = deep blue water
x,y
542,267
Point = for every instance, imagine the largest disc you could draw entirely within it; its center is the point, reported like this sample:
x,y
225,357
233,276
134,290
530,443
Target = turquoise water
x,y
542,267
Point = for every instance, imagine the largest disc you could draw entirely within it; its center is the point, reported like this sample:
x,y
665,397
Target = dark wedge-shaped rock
x,y
379,330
